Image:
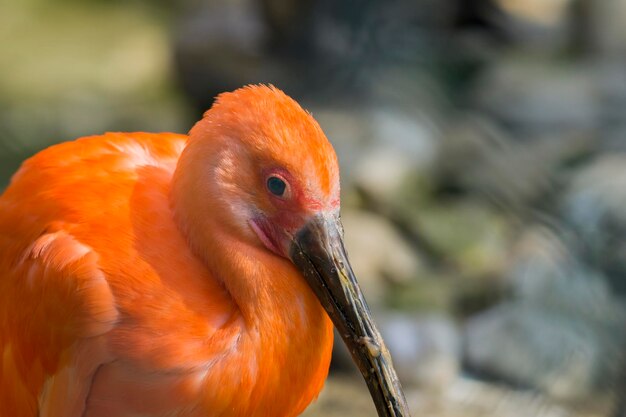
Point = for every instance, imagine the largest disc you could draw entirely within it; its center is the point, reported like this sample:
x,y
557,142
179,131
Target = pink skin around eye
x,y
267,229
275,231
267,234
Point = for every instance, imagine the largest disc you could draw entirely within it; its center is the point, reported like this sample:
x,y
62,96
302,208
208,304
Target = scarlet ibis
x,y
171,275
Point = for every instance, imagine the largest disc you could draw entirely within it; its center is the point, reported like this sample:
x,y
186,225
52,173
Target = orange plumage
x,y
131,282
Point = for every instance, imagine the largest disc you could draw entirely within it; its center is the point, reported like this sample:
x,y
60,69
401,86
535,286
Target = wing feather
x,y
54,305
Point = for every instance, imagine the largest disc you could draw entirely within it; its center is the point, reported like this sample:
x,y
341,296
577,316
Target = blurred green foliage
x,y
73,68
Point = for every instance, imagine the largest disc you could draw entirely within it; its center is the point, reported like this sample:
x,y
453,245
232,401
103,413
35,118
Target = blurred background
x,y
483,154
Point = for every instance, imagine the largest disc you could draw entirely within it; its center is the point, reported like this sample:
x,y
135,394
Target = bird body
x,y
148,274
86,226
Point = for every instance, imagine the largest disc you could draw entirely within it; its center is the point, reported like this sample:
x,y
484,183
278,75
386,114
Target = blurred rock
x,y
547,272
383,173
348,397
594,206
540,24
310,49
425,349
538,96
562,334
541,12
604,27
471,235
403,148
597,193
540,349
413,134
349,130
469,397
434,291
344,47
610,75
479,157
378,253
619,392
221,46
613,141
342,396
379,146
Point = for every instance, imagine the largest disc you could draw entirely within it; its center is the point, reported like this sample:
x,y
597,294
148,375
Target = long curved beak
x,y
317,251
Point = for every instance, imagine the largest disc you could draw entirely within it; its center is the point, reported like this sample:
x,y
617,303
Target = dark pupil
x,y
276,186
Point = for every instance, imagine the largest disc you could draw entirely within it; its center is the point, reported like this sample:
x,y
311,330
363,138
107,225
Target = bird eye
x,y
276,186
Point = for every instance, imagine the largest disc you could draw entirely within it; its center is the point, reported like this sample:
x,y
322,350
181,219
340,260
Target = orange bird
x,y
169,275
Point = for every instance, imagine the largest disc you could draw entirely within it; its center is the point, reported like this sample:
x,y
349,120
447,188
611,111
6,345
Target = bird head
x,y
273,177
272,167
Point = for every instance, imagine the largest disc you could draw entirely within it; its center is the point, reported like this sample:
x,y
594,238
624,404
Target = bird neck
x,y
284,347
266,288
282,319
